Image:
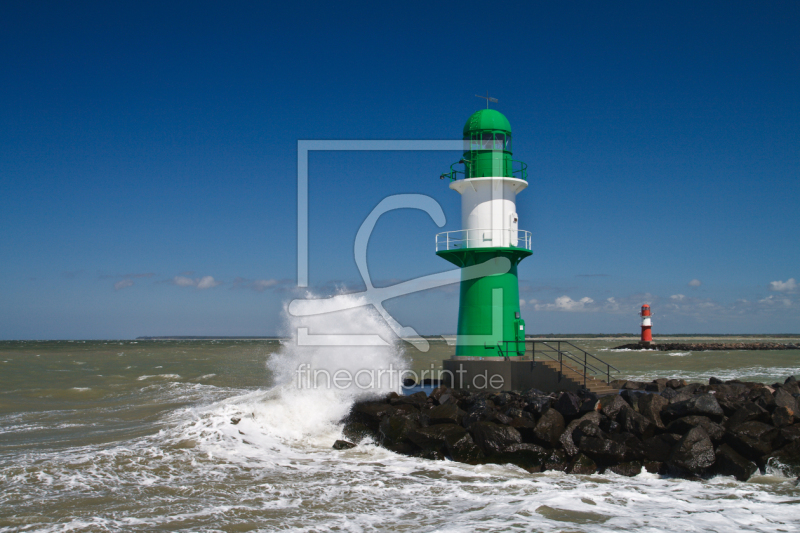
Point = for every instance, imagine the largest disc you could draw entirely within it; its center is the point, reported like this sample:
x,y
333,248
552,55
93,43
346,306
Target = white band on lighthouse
x,y
646,321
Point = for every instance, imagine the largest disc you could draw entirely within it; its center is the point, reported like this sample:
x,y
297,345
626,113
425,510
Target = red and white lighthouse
x,y
647,324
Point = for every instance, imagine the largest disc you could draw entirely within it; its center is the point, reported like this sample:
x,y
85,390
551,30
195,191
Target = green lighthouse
x,y
489,321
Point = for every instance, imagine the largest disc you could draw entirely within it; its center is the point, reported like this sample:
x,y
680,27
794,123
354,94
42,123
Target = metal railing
x,y
556,353
520,173
478,238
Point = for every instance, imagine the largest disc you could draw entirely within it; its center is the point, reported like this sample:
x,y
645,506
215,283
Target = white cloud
x,y
122,284
521,302
182,281
790,285
261,284
565,303
695,283
533,302
677,297
207,282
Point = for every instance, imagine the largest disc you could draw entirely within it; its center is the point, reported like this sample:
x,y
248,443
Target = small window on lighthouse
x,y
499,141
487,141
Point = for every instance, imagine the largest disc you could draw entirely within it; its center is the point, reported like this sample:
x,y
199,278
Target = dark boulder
x,y
437,393
417,399
493,438
650,406
555,460
763,397
549,428
436,437
371,413
658,385
683,425
730,463
632,397
568,404
581,464
658,448
669,394
524,455
357,431
628,468
715,381
792,387
611,405
784,399
748,412
395,429
445,414
787,459
526,428
634,448
343,445
632,422
782,416
676,383
752,439
701,405
603,450
537,405
566,438
693,453
634,385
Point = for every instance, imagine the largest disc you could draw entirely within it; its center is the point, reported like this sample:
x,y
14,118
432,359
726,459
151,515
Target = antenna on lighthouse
x,y
487,98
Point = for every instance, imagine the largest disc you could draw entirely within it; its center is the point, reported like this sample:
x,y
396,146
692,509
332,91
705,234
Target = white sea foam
x,y
159,376
679,354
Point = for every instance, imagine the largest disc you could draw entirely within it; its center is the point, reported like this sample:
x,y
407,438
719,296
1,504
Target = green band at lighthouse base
x,y
489,323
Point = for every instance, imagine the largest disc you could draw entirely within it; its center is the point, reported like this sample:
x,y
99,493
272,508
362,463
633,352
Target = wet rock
x,y
589,404
669,394
555,460
782,416
371,413
650,406
549,428
784,399
763,397
235,420
787,459
581,464
701,405
655,467
537,405
629,468
634,448
676,383
752,439
526,428
480,410
436,437
437,393
747,413
445,414
635,423
683,425
568,404
566,438
343,445
715,381
611,405
634,385
417,399
610,426
693,453
524,455
658,448
463,449
632,397
395,429
493,438
357,431
730,463
658,385
603,450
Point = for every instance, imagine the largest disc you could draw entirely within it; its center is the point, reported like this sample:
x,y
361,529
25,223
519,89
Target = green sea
x,y
140,436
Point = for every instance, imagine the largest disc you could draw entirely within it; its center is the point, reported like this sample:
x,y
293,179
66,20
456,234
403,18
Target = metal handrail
x,y
572,357
522,170
444,240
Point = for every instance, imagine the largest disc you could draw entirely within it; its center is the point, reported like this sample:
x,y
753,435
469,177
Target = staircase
x,y
575,379
573,366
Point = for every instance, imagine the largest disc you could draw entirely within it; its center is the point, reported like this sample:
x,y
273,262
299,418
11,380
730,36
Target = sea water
x,y
140,436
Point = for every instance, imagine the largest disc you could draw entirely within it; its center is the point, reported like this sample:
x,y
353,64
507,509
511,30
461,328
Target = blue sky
x,y
148,159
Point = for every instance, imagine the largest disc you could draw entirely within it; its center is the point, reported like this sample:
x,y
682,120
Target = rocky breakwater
x,y
705,346
666,426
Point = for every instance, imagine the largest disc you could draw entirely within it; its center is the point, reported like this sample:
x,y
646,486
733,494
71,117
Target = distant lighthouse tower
x,y
489,322
647,324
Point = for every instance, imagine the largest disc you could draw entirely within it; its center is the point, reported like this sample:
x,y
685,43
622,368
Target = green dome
x,y
486,119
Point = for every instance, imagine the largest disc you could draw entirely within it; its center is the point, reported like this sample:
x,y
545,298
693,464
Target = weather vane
x,y
487,98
